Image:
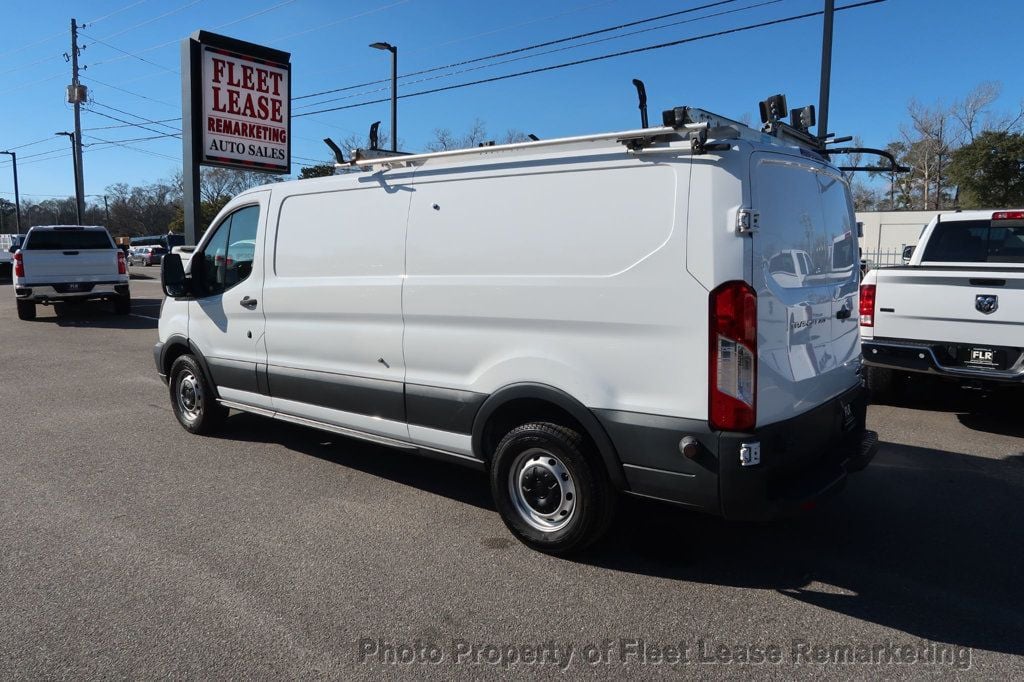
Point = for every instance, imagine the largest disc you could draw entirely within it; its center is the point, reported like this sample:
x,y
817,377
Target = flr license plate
x,y
983,357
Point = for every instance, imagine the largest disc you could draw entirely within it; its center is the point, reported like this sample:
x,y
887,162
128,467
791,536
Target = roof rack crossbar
x,y
415,159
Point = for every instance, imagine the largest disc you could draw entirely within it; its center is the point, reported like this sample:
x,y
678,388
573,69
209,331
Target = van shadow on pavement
x,y
927,542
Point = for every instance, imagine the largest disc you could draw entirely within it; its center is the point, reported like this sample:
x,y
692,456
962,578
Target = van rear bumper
x,y
802,459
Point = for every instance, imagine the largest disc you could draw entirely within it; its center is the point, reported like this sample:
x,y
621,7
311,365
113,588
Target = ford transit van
x,y
580,318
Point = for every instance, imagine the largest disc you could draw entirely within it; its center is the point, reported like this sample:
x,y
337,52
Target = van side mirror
x,y
908,251
172,276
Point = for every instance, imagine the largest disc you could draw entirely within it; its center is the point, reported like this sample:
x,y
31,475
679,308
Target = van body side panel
x,y
333,296
562,273
806,355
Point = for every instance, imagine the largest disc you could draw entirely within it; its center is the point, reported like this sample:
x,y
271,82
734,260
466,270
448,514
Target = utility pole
x,y
826,69
77,95
17,197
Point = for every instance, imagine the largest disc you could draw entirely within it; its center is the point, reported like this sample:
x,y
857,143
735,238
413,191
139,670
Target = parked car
x,y
58,263
956,311
614,327
146,255
8,245
185,253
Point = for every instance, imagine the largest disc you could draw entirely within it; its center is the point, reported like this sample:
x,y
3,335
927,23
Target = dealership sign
x,y
236,111
240,103
245,111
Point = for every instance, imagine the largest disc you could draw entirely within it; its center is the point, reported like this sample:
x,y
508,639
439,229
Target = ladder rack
x,y
661,132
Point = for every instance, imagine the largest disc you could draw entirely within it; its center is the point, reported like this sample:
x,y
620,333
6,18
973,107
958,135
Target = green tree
x,y
320,170
990,170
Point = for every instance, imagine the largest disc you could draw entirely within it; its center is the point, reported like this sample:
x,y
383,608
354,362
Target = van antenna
x,y
641,93
373,134
338,155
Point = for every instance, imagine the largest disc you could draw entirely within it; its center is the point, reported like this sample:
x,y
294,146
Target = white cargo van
x,y
578,317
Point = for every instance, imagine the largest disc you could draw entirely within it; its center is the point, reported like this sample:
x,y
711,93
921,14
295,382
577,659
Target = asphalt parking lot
x,y
129,548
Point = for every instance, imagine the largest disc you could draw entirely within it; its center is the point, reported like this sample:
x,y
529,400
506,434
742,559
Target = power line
x,y
116,11
589,60
126,125
338,21
547,52
130,54
134,149
150,21
128,113
178,40
29,144
526,48
129,92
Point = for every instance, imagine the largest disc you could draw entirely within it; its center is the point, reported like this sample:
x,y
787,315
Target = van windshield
x,y
975,241
67,240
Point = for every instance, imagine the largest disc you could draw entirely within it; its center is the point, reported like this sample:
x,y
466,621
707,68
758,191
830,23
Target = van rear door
x,y
808,342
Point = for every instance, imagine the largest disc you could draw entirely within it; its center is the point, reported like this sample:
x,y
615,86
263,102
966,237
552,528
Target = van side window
x,y
228,256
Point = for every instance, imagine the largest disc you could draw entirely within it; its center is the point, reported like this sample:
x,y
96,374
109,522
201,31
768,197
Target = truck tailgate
x,y
86,265
950,304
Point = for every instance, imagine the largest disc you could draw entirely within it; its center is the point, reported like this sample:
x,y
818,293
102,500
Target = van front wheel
x,y
193,399
550,490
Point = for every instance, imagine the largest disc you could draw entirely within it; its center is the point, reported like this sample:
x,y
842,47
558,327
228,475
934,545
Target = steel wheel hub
x,y
542,490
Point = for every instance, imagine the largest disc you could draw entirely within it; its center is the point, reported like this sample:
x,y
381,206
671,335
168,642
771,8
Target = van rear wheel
x,y
550,489
193,399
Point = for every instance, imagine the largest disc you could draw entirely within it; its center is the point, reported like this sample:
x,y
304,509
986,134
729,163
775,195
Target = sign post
x,y
236,112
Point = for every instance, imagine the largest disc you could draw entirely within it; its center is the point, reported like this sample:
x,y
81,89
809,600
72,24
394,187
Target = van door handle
x,y
843,314
249,303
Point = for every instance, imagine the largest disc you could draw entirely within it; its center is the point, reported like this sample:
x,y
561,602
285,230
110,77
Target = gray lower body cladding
x,y
801,459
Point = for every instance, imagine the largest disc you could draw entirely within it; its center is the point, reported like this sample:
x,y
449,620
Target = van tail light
x,y
122,266
867,305
19,264
732,358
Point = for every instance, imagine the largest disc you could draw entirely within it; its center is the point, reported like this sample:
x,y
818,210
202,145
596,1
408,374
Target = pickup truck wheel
x,y
26,310
193,399
550,489
122,304
883,384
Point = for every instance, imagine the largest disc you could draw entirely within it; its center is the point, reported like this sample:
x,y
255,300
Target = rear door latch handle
x,y
249,303
843,313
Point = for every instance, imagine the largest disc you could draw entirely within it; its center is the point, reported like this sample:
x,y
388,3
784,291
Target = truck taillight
x,y
867,305
122,265
19,265
732,358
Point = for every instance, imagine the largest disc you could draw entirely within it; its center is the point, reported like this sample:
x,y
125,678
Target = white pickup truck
x,y
955,311
59,263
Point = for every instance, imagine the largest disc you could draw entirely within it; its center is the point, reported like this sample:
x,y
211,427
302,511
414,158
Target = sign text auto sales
x,y
246,118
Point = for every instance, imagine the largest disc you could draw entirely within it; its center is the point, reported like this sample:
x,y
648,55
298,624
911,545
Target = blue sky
x,y
884,54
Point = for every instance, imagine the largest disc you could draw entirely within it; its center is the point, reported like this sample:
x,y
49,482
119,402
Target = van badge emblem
x,y
986,303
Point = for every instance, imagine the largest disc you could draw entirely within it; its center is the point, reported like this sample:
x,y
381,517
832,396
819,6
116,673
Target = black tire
x,y
201,414
545,454
883,384
122,304
26,310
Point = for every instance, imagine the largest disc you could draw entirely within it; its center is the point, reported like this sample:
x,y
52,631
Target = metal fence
x,y
885,258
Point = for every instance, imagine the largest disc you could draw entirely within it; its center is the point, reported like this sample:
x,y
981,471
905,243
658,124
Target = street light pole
x,y
17,197
79,199
826,70
394,90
